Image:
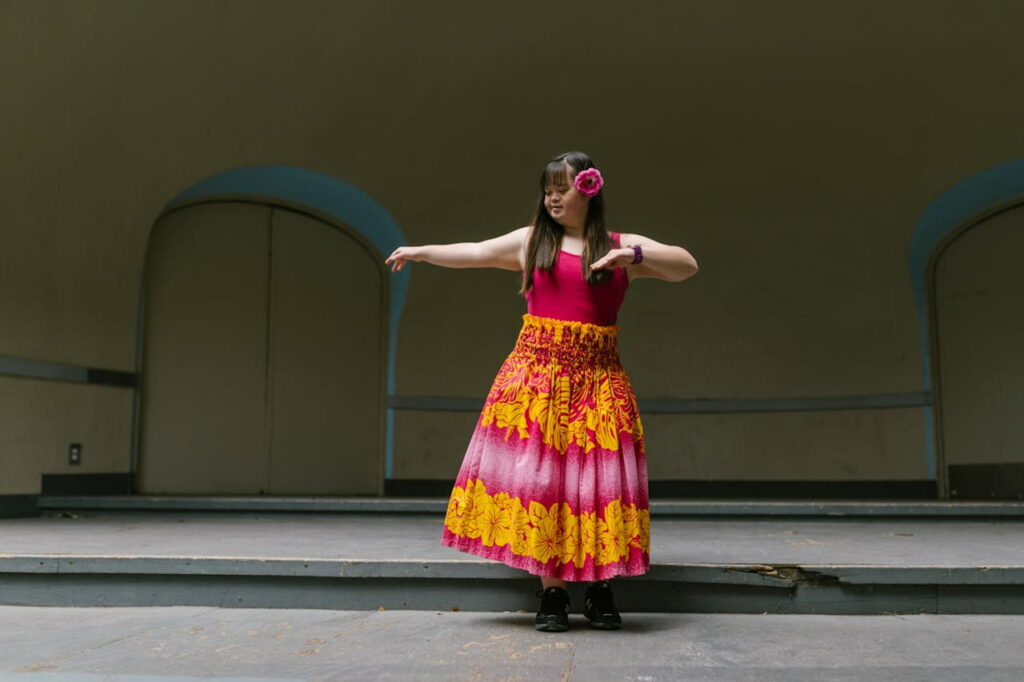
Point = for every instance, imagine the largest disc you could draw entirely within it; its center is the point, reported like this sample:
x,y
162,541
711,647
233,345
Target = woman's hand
x,y
504,252
616,258
402,255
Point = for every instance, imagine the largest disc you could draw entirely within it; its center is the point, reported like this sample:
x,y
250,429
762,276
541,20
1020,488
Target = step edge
x,y
419,505
784,575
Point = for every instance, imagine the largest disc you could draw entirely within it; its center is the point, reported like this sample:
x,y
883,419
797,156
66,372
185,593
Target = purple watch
x,y
638,254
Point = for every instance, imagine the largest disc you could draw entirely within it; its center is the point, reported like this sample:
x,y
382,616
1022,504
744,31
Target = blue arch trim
x,y
968,198
340,200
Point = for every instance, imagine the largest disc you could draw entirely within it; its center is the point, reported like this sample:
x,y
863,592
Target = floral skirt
x,y
554,480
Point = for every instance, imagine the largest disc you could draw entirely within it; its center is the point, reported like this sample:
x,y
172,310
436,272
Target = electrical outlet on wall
x,y
75,453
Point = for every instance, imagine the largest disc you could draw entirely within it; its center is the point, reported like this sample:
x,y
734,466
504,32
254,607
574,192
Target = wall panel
x,y
40,419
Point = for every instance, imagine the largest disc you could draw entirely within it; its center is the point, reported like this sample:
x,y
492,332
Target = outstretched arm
x,y
660,261
504,252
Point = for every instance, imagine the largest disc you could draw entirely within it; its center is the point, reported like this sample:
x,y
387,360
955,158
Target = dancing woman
x,y
555,478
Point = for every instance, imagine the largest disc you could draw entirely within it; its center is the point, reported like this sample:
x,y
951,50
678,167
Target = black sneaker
x,y
554,610
600,607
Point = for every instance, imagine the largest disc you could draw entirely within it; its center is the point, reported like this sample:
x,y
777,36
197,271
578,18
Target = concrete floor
x,y
188,643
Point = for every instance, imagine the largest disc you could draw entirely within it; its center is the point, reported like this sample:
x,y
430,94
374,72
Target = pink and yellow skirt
x,y
554,480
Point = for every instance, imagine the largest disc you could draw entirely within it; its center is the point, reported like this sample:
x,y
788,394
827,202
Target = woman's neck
x,y
573,231
572,241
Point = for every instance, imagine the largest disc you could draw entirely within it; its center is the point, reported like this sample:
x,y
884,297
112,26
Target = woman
x,y
555,479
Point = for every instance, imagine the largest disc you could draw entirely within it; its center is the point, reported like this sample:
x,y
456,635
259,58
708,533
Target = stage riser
x,y
395,561
498,595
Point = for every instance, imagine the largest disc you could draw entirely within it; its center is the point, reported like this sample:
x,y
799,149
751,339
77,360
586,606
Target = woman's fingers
x,y
397,259
611,260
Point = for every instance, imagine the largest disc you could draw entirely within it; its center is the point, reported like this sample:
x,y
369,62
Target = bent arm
x,y
661,261
504,252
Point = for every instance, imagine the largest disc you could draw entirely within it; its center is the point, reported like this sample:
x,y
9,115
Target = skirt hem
x,y
639,563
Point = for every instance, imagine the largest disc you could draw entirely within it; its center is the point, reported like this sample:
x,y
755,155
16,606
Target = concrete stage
x,y
724,557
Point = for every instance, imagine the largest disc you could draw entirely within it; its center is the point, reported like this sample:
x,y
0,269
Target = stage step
x,y
57,504
394,561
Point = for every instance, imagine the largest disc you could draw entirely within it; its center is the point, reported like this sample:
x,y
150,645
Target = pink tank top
x,y
562,293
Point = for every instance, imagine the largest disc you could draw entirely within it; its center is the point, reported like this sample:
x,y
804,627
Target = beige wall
x,y
791,146
40,419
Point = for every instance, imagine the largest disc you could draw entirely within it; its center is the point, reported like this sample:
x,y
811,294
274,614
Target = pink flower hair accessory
x,y
588,182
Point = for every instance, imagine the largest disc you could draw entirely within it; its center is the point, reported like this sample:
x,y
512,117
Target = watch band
x,y
638,254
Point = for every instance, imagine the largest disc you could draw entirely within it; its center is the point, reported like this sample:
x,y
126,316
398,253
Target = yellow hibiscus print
x,y
548,533
545,384
495,525
456,505
610,534
569,524
520,528
588,537
544,538
645,530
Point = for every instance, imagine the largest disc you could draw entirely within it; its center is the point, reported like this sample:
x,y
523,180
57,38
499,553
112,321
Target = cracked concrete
x,y
792,574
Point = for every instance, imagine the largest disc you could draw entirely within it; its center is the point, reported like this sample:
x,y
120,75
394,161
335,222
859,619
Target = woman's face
x,y
564,204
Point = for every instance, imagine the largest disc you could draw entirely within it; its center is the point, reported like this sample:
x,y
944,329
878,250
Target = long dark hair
x,y
546,235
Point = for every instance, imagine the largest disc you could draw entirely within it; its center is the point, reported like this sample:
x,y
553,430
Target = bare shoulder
x,y
517,238
521,238
523,233
506,251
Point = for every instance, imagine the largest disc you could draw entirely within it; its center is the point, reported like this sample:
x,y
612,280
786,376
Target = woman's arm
x,y
661,261
504,252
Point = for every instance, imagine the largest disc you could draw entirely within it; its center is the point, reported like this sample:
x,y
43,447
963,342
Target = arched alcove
x,y
978,343
966,205
283,222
